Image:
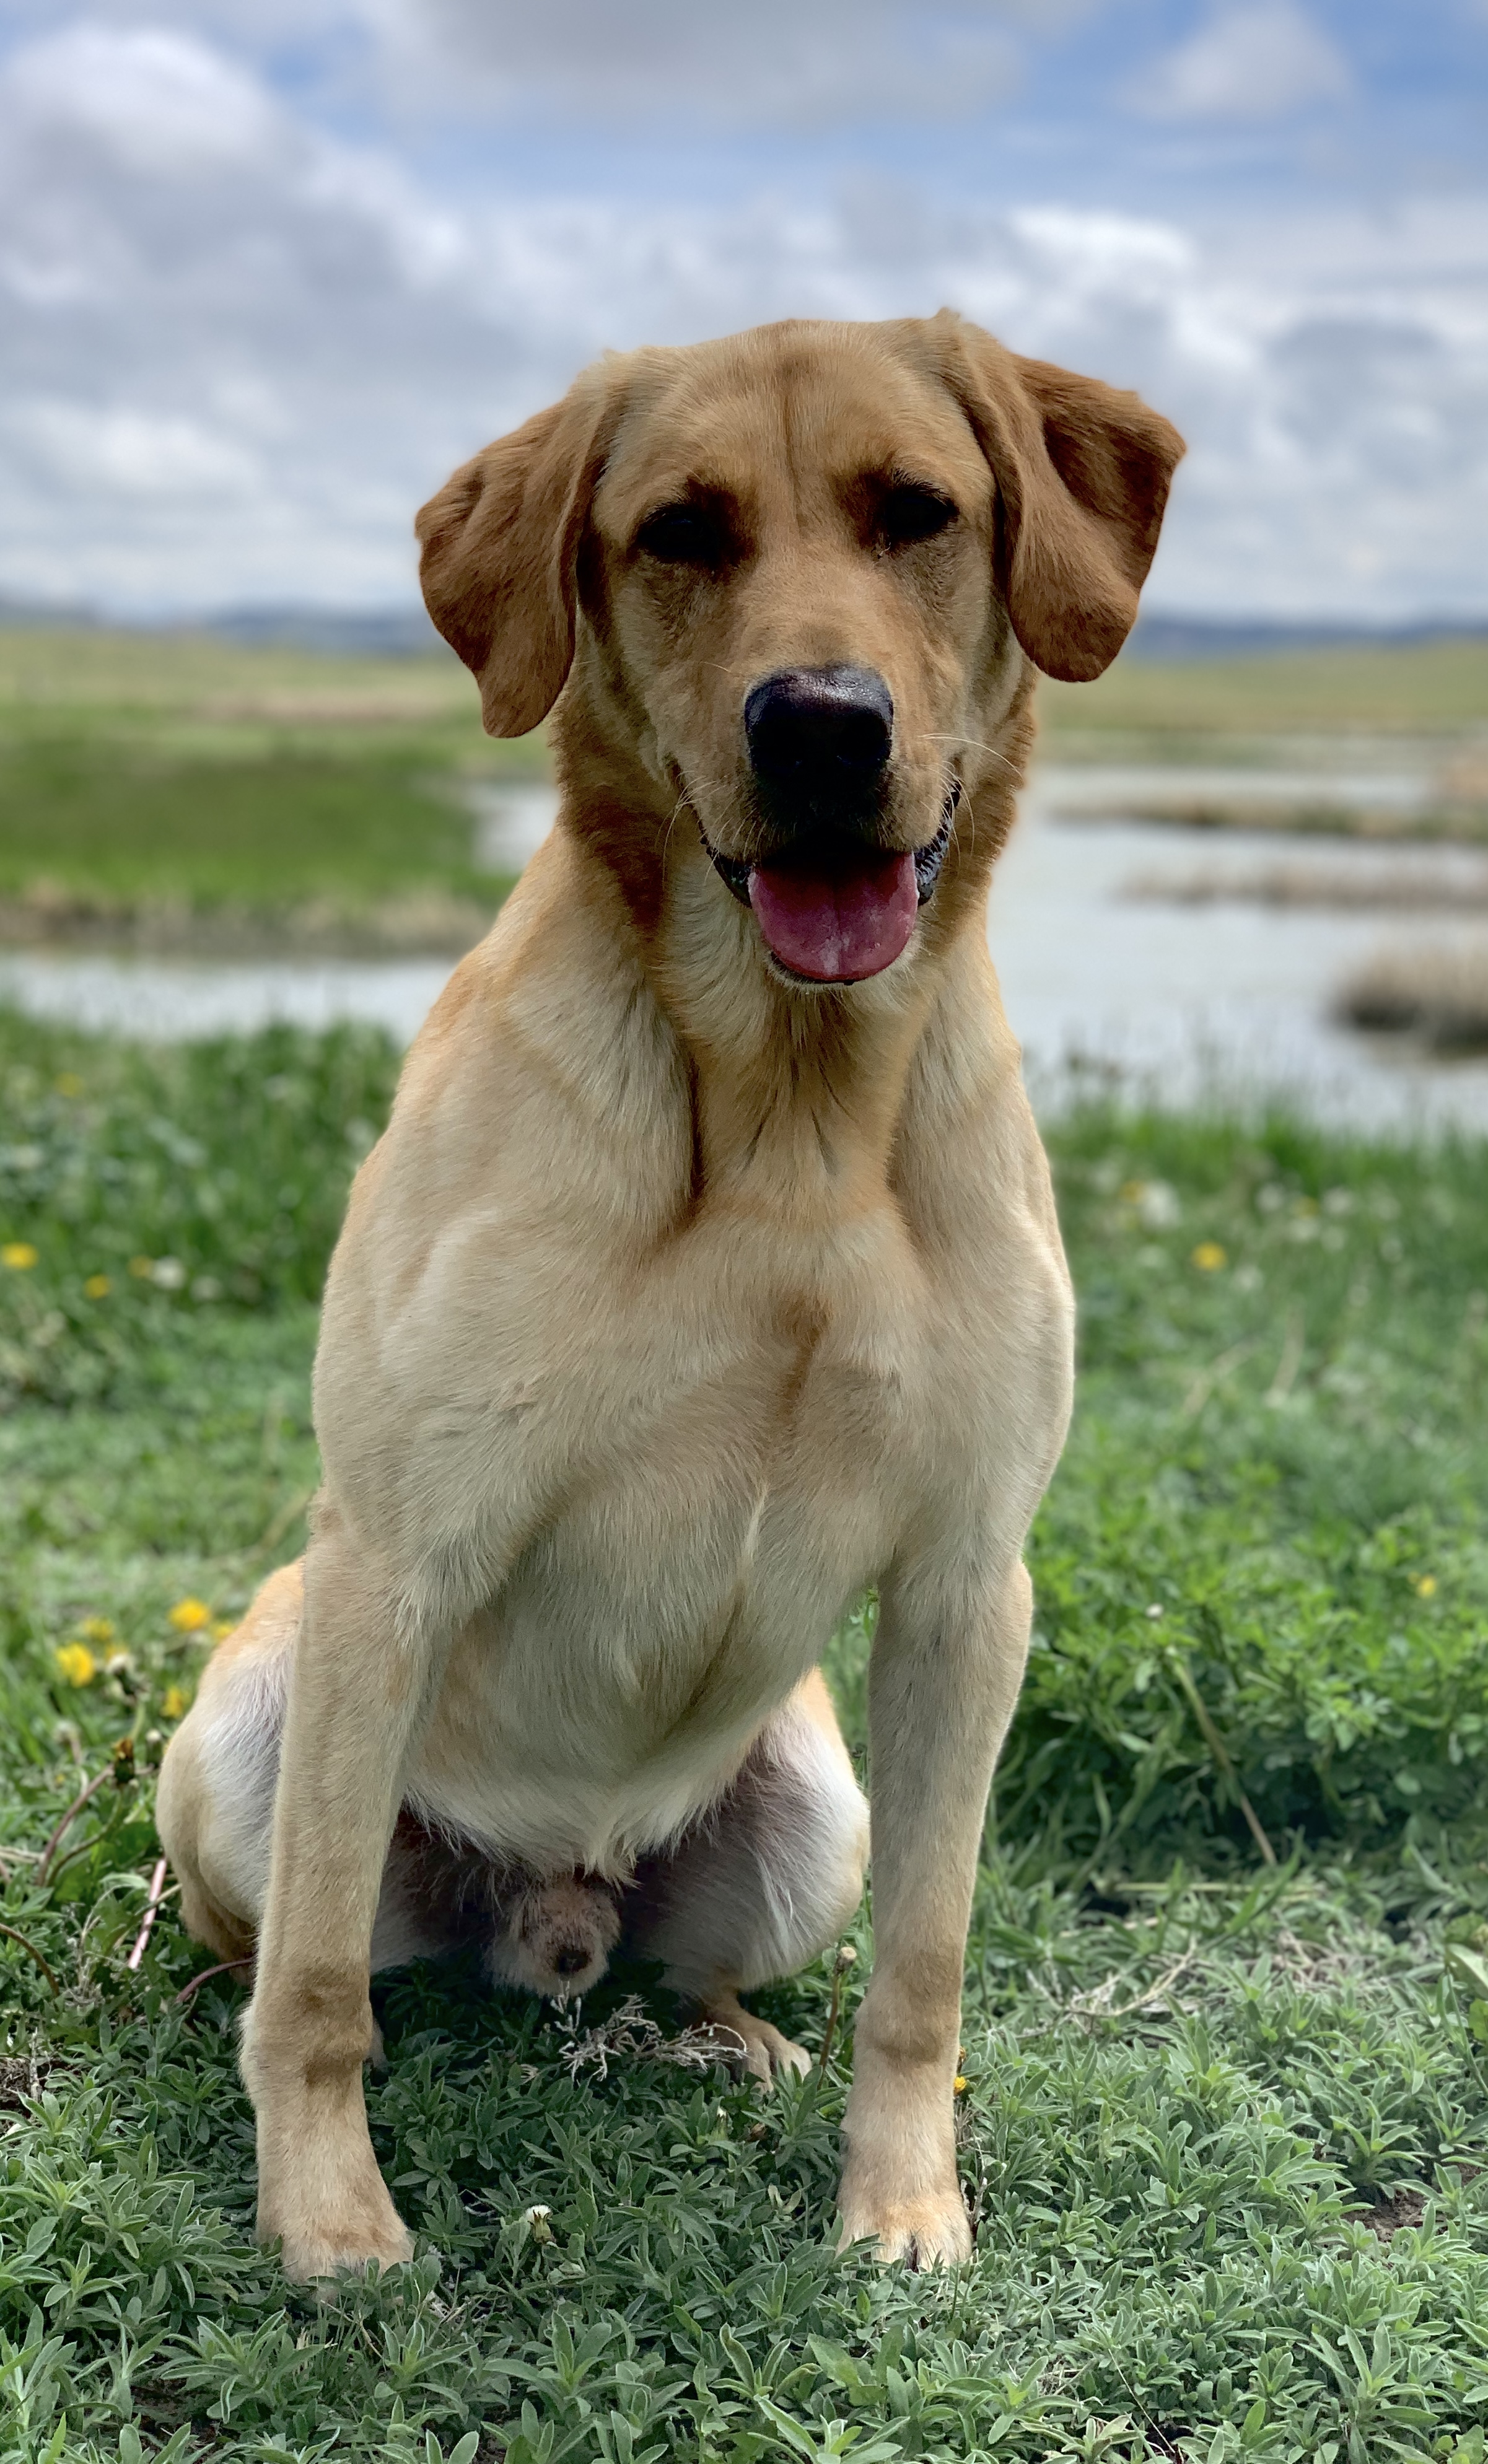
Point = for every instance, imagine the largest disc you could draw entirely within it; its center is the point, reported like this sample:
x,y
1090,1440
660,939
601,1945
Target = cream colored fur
x,y
680,1302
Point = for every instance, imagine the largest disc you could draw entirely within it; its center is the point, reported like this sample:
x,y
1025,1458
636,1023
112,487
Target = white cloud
x,y
781,62
158,99
1259,60
791,61
238,381
132,453
427,243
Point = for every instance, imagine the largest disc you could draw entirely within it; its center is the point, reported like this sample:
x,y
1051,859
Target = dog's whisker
x,y
682,806
962,798
975,744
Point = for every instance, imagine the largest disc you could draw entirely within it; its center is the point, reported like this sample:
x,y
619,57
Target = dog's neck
x,y
798,1094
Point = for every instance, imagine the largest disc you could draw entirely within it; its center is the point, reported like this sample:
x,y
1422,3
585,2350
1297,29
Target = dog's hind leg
x,y
214,1809
214,1806
764,1880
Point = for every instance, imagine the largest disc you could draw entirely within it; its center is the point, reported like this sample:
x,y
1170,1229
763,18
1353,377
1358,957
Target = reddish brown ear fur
x,y
500,543
1084,473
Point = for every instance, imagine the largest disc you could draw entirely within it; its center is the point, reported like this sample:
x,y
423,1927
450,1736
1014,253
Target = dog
x,y
707,1273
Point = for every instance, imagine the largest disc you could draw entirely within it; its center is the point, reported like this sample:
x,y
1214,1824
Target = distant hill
x,y
1164,638
30,613
406,632
338,632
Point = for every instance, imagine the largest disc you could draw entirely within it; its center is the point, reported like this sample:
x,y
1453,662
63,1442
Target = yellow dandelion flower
x,y
69,1083
221,1628
190,1615
97,1629
961,2084
1208,1257
175,1701
142,1268
97,1288
20,1256
77,1663
1425,1586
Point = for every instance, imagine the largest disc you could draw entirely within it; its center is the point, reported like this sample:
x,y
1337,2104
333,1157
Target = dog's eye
x,y
682,535
908,514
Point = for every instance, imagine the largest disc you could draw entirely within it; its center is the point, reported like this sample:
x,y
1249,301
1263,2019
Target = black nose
x,y
822,734
570,1958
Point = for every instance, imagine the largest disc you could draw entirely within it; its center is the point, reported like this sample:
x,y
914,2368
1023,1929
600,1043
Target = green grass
x,y
119,825
152,769
1224,2120
153,1184
1438,688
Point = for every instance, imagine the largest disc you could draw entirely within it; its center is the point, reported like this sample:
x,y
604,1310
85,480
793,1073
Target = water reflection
x,y
171,999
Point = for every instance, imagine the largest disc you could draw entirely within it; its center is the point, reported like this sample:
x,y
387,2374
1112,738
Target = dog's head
x,y
805,568
555,1938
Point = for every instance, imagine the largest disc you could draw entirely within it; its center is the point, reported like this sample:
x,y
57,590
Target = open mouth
x,y
839,924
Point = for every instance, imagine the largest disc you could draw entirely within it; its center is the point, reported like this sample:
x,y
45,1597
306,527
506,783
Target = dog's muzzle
x,y
841,913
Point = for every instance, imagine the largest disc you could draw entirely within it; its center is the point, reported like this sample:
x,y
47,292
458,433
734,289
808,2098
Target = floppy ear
x,y
1082,472
500,543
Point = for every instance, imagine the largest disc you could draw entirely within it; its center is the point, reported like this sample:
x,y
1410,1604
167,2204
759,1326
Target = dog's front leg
x,y
941,1688
357,1693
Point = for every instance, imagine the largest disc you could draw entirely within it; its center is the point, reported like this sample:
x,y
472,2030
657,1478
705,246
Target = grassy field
x,y
1225,2111
144,774
170,790
1432,689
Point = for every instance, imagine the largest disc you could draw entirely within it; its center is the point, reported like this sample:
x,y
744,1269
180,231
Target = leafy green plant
x,y
138,1185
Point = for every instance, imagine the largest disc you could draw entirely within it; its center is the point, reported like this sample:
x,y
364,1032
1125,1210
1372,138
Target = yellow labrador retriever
x,y
708,1270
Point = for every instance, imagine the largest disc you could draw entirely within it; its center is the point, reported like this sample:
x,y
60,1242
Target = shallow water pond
x,y
1108,961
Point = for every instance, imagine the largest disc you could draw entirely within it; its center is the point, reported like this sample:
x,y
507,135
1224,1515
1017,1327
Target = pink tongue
x,y
839,926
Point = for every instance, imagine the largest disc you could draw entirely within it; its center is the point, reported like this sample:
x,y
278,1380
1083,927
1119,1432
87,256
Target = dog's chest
x,y
723,1472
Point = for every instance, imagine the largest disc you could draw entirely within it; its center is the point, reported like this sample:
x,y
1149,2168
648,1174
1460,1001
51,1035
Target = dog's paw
x,y
760,2049
345,2238
770,2055
930,2231
309,2258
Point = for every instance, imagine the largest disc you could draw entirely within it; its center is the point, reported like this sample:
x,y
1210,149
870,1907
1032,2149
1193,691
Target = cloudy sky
x,y
269,267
